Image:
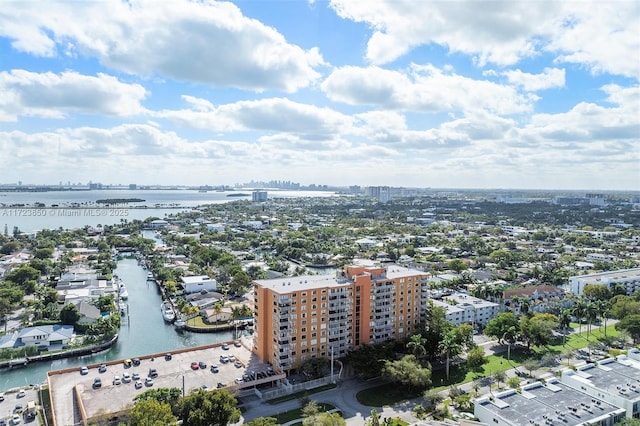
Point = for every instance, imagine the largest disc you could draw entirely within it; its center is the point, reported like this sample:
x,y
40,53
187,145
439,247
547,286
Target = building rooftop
x,y
539,404
616,377
286,285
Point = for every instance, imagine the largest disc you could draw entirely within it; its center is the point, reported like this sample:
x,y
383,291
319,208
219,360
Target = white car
x,y
116,380
84,371
148,381
138,384
126,378
21,394
16,419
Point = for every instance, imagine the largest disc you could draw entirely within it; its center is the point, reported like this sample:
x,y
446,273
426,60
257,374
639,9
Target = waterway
x,y
145,332
17,208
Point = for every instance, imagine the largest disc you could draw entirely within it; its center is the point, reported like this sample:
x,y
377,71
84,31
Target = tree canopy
x,y
150,412
206,408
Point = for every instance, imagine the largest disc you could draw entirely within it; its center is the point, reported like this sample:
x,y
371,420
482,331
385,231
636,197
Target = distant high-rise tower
x,y
259,196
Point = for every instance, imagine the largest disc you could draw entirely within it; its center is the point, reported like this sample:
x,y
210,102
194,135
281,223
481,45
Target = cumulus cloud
x,y
602,36
548,79
271,115
55,95
423,88
207,42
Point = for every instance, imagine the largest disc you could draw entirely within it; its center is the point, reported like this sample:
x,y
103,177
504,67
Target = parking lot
x,y
181,370
20,402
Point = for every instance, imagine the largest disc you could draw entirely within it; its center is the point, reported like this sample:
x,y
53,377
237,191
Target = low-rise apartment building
x,y
298,318
465,309
628,278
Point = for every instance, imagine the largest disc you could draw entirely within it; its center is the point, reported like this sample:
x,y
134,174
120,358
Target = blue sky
x,y
415,93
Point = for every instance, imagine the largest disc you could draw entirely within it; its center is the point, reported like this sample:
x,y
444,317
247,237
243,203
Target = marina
x,y
143,331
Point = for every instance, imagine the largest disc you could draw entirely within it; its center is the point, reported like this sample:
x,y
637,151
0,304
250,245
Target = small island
x,y
120,200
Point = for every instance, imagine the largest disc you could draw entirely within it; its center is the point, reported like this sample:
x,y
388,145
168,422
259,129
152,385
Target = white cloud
x,y
54,95
424,88
273,114
206,42
499,32
602,36
549,78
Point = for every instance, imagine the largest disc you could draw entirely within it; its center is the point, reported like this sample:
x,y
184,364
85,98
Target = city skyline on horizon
x,y
477,95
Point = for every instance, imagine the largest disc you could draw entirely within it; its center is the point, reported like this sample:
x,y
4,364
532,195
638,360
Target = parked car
x,y
16,419
225,346
220,385
97,383
148,381
136,361
102,368
153,373
116,380
195,365
135,376
126,378
224,359
21,394
84,371
1,396
237,343
202,365
214,368
238,364
168,357
204,387
238,380
138,384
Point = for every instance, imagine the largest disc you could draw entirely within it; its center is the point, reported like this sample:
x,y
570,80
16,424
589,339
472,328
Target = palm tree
x,y
591,313
499,376
578,311
449,347
564,321
217,308
417,345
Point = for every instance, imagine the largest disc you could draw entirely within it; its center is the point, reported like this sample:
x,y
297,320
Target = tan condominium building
x,y
298,318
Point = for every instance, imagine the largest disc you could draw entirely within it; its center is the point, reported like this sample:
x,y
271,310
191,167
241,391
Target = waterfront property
x,y
76,400
465,309
198,283
298,318
45,337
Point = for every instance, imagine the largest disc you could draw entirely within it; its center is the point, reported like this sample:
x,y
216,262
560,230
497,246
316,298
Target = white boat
x,y
168,313
124,294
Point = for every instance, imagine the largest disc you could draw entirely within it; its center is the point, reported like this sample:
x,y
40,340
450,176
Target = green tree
x,y
513,382
416,345
310,409
25,277
150,412
408,372
368,360
538,330
450,347
457,265
503,324
169,396
204,408
69,314
240,283
476,359
596,292
631,325
499,376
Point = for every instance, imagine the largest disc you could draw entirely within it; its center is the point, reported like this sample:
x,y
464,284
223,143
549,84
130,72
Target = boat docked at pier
x,y
168,313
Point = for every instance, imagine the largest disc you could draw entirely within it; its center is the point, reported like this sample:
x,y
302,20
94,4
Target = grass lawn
x,y
388,394
297,413
301,394
579,340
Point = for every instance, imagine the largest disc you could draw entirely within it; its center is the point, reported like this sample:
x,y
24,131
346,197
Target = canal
x,y
143,332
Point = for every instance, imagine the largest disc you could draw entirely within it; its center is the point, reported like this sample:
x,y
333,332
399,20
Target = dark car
x,y
97,383
136,361
168,357
153,373
202,365
214,368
